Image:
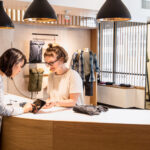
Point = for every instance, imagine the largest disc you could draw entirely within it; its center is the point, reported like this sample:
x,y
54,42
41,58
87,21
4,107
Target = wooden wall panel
x,y
94,48
93,136
23,134
26,134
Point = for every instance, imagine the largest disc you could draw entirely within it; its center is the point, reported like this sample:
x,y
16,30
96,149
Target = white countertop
x,y
119,116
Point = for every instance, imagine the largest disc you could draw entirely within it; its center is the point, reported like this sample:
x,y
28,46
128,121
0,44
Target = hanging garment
x,y
35,80
77,64
36,51
88,86
85,63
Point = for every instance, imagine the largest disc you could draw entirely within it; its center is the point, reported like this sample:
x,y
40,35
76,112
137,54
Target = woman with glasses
x,y
11,62
64,84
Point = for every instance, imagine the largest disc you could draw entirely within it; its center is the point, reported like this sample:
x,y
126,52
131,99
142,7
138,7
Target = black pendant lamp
x,y
40,11
113,10
5,21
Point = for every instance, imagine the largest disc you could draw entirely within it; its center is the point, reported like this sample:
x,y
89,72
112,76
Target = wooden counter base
x,y
28,134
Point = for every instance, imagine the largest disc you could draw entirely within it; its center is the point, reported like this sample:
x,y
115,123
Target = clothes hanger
x,y
43,34
35,38
40,39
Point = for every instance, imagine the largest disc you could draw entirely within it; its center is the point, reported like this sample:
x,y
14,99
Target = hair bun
x,y
50,45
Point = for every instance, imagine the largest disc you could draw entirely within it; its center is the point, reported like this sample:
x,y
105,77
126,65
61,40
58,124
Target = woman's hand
x,y
27,107
49,104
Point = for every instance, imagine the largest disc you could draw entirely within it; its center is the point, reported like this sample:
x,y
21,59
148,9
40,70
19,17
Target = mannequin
x,y
86,49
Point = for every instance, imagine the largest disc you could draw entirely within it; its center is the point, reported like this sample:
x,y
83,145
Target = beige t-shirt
x,y
60,86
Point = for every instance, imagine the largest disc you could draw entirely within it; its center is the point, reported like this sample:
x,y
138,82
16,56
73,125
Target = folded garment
x,y
109,83
89,109
125,85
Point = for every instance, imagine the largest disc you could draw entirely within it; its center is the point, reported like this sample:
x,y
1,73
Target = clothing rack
x,y
43,34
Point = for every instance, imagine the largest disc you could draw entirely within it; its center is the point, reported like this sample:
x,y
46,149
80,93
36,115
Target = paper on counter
x,y
53,109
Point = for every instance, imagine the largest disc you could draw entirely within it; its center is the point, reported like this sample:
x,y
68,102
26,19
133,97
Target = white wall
x,y
137,12
135,7
70,39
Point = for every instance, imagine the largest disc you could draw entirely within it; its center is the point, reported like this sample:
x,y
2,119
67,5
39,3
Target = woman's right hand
x,y
49,104
27,107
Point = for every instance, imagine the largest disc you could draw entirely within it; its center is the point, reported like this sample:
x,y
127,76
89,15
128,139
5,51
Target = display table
x,y
63,129
124,97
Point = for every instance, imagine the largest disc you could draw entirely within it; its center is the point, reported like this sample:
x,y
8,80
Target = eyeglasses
x,y
51,63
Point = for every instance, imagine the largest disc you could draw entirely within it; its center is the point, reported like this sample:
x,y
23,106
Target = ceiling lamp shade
x,y
113,10
5,21
40,11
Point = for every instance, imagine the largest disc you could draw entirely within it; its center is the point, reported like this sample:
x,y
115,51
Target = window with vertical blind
x,y
122,55
146,4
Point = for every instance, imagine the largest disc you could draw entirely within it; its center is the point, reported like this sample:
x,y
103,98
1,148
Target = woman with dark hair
x,y
64,84
11,62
